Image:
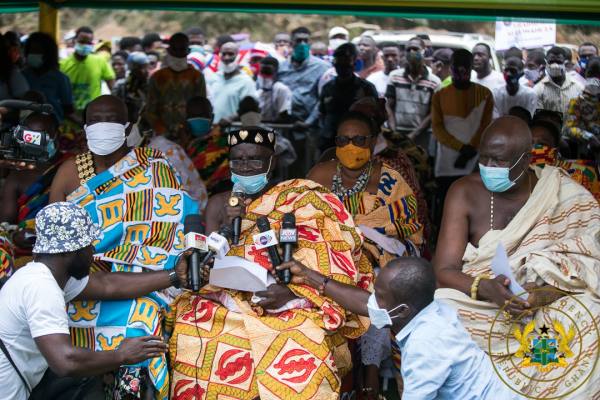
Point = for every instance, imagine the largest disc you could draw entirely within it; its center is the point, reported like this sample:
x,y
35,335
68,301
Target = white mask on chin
x,y
228,68
177,64
104,138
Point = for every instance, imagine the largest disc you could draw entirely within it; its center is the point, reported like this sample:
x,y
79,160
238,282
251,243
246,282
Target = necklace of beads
x,y
361,183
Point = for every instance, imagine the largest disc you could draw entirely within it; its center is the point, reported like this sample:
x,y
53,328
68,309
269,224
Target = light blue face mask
x,y
84,49
199,126
496,179
251,184
51,148
380,317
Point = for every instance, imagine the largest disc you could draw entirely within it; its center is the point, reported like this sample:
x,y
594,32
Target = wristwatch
x,y
234,201
174,279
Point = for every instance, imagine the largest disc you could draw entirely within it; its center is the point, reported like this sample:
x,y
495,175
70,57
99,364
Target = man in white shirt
x,y
274,98
482,68
391,54
513,94
439,358
33,318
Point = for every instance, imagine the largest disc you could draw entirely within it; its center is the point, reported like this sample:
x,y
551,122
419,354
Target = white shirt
x,y
550,96
441,361
275,101
503,102
380,80
492,81
31,305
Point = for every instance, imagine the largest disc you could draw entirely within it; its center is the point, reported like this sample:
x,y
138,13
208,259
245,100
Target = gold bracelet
x,y
475,287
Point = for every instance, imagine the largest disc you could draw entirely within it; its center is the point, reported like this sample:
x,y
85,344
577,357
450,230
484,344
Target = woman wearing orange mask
x,y
380,201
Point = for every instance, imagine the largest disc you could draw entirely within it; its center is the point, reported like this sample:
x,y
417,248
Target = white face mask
x,y
380,317
228,68
177,64
104,138
335,43
264,83
555,70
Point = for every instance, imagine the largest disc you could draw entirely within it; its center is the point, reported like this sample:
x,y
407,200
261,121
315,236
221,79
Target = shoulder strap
x,y
7,354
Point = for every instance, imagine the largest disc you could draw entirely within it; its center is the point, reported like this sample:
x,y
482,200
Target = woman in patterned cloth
x,y
382,204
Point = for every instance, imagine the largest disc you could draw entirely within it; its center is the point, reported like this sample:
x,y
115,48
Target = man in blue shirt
x,y
439,359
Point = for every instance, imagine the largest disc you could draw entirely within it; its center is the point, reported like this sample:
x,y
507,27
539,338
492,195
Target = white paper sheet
x,y
500,266
233,272
387,243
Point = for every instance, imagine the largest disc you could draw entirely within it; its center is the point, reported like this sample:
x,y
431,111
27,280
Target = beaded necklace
x,y
361,183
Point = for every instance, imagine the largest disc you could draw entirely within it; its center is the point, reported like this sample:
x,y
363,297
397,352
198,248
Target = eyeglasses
x,y
256,163
360,141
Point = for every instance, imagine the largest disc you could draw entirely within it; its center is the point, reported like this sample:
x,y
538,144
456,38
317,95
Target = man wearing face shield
x,y
460,112
439,359
169,88
556,90
285,325
136,198
523,208
513,94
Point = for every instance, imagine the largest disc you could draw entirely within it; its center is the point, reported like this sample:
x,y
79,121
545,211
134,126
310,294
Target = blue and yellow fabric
x,y
139,205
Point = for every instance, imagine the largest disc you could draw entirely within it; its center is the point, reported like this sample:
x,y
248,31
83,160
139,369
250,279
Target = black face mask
x,y
79,267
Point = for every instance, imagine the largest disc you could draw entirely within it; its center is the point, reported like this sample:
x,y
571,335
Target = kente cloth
x,y
584,172
7,251
223,347
36,195
553,240
392,212
139,205
210,155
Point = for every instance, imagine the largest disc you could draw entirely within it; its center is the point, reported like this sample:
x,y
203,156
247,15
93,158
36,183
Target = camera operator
x,y
25,190
33,317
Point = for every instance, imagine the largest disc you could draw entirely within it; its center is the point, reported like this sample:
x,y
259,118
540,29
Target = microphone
x,y
194,239
218,243
288,236
237,195
267,239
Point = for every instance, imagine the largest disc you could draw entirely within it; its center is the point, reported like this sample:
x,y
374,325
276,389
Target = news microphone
x,y
237,196
218,243
193,229
288,237
267,239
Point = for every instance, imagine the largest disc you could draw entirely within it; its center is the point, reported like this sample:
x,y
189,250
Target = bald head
x,y
106,108
408,280
508,135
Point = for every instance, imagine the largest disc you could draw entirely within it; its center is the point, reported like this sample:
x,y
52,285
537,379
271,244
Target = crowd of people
x,y
409,164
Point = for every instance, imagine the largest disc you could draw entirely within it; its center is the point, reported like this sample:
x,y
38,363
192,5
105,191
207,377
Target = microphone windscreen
x,y
289,221
193,223
263,224
226,231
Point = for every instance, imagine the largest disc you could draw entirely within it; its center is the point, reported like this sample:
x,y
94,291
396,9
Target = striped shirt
x,y
550,96
412,97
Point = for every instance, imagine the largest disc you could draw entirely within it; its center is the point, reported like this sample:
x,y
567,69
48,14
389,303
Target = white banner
x,y
524,35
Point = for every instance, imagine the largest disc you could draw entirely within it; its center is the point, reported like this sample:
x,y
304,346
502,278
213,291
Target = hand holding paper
x,y
500,266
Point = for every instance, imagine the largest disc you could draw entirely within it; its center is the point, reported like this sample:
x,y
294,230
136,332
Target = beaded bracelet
x,y
475,287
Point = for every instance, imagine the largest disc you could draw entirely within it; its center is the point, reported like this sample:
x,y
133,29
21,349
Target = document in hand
x,y
387,243
500,266
232,272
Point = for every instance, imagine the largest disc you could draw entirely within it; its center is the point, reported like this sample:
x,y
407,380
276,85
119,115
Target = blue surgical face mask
x,y
497,179
51,148
380,317
84,49
251,184
199,126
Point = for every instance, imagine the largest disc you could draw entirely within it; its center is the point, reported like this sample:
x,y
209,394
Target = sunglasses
x,y
360,141
247,164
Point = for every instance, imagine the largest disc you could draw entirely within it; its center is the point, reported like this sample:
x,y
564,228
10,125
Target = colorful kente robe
x,y
553,240
210,155
140,207
392,212
584,172
222,347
